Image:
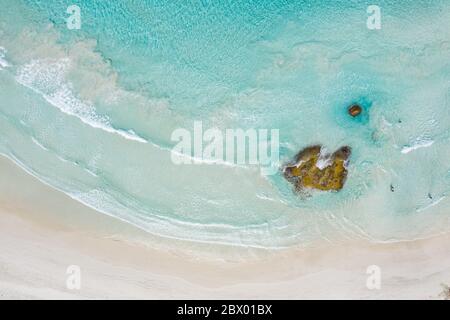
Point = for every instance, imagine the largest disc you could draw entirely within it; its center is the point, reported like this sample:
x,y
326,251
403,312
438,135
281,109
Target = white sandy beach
x,y
43,231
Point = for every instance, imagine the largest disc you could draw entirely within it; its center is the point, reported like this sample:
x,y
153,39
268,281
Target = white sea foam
x,y
435,202
324,159
47,78
417,145
92,173
3,62
40,145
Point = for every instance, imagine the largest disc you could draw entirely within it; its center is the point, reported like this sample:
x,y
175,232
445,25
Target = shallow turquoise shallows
x,y
91,111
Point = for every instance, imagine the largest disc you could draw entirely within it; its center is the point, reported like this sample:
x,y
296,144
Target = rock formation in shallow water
x,y
315,170
354,110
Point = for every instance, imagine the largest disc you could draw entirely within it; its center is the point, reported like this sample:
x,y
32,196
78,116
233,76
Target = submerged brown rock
x,y
354,110
314,170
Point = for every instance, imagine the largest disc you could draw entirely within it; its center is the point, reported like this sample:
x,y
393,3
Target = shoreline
x,y
43,232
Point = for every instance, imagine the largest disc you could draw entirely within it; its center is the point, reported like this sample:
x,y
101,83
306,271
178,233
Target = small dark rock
x,y
354,110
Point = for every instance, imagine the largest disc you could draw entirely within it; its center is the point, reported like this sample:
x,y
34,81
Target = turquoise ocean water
x,y
91,112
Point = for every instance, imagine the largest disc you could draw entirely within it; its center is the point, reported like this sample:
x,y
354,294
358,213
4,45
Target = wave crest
x,y
47,78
